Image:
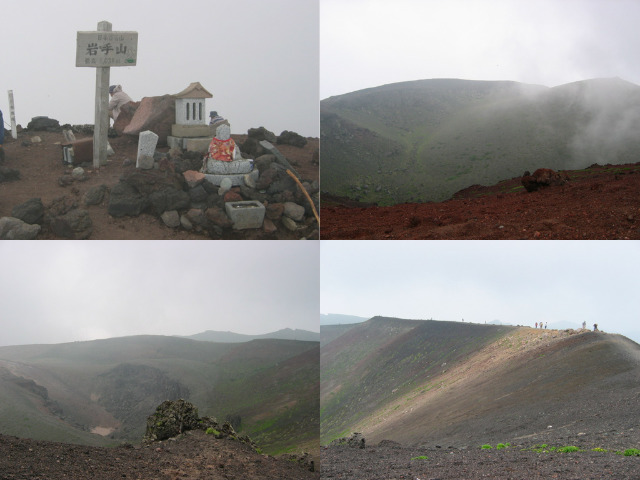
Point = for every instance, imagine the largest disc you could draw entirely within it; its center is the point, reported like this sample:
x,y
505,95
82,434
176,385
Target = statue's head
x,y
223,132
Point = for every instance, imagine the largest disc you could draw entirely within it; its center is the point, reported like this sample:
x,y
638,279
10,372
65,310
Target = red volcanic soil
x,y
600,202
40,166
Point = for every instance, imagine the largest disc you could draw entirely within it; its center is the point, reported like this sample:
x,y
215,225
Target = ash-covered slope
x,y
522,383
192,455
424,140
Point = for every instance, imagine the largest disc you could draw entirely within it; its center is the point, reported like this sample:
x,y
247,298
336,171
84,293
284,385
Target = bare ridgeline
x,y
193,177
451,400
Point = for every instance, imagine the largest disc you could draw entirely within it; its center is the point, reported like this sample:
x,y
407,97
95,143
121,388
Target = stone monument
x,y
147,142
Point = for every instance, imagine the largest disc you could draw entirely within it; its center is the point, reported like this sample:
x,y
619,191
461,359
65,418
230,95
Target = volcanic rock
x,y
543,177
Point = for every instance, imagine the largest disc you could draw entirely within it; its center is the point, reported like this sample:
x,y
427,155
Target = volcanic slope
x,y
464,385
425,140
101,392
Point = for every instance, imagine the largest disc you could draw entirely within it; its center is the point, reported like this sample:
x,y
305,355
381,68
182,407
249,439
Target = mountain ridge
x,y
426,139
423,385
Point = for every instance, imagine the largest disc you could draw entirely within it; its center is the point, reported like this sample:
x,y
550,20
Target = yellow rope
x,y
313,207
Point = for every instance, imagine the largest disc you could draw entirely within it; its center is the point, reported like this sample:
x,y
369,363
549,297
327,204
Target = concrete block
x,y
245,214
175,142
200,144
216,180
190,131
218,167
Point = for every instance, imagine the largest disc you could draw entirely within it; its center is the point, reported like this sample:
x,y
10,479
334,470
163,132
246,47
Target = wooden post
x,y
12,114
101,124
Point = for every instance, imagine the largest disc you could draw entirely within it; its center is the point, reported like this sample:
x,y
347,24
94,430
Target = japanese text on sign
x,y
106,49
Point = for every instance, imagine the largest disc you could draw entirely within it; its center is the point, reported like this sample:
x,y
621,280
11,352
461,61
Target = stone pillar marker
x,y
147,142
101,50
12,113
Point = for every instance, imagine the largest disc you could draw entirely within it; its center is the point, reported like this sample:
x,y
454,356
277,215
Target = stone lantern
x,y
191,114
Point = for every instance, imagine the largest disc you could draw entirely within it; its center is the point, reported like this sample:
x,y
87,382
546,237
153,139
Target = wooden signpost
x,y
102,50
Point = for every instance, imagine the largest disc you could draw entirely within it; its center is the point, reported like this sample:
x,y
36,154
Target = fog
x,y
366,43
67,291
259,59
519,283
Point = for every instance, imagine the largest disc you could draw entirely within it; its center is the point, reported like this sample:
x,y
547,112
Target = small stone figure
x,y
595,327
223,147
584,325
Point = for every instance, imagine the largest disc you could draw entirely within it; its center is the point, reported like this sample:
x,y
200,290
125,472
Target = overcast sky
x,y
481,281
55,292
367,43
259,58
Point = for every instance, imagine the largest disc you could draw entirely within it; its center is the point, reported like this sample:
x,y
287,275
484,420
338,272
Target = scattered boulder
x,y
65,180
126,200
289,224
31,211
75,224
15,229
291,138
171,218
193,178
9,174
262,133
95,195
251,146
44,124
294,211
543,177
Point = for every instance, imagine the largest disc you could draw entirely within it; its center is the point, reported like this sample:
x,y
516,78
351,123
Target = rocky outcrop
x,y
356,440
291,138
543,177
44,124
173,418
156,114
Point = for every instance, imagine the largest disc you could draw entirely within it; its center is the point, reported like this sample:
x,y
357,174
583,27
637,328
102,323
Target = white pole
x,y
12,114
101,124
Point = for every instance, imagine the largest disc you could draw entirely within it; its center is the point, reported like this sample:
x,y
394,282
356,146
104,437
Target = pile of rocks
x,y
175,417
356,441
62,216
175,191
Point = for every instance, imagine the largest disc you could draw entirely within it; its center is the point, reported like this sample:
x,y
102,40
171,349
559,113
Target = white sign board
x,y
107,49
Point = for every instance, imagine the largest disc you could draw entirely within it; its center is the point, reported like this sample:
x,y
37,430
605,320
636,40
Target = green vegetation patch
x,y
631,452
421,457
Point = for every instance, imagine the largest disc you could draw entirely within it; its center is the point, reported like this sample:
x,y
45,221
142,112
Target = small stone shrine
x,y
191,132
